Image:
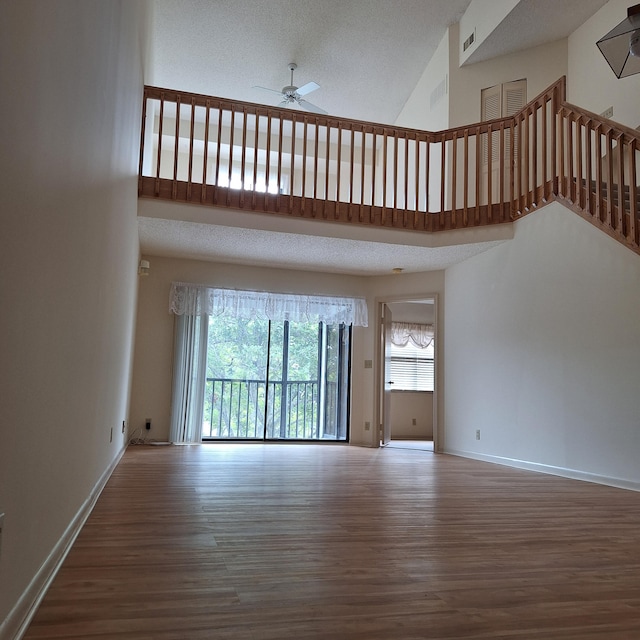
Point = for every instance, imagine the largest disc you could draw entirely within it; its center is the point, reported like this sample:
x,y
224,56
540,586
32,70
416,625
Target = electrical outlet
x,y
147,424
367,426
607,113
477,434
414,422
123,426
111,434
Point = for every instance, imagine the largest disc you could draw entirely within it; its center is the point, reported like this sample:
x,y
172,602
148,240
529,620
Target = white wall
x,y
151,390
541,66
407,406
591,83
71,73
428,105
542,349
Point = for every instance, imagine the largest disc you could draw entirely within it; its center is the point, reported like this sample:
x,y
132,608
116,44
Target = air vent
x,y
469,41
438,93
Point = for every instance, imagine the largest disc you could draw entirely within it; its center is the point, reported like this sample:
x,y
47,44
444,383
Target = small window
x,y
412,368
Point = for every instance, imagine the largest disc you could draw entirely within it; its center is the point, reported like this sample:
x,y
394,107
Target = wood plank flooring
x,y
270,542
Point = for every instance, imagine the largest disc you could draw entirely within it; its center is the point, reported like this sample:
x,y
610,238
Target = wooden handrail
x,y
222,152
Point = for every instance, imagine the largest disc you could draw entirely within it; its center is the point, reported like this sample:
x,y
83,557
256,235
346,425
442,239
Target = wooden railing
x,y
246,156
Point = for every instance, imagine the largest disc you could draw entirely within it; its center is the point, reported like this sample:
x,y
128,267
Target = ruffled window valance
x,y
421,335
197,300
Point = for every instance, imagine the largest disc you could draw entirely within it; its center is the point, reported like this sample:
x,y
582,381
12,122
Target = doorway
x,y
276,380
407,381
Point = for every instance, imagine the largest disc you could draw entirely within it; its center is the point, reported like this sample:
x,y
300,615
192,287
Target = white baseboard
x,y
15,624
573,474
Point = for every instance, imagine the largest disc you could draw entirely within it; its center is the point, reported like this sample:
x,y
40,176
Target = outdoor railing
x,y
226,153
238,408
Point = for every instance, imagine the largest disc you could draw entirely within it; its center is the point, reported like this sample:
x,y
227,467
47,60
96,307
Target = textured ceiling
x,y
276,249
366,55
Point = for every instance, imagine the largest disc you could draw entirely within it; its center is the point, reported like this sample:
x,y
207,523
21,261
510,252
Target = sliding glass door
x,y
276,380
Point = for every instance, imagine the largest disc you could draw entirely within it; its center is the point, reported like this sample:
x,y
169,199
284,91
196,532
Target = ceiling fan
x,y
292,95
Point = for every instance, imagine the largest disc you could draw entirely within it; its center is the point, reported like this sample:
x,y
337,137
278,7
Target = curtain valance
x,y
421,335
196,300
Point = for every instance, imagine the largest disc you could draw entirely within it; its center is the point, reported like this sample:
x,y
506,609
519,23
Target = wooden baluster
x,y
406,181
534,156
543,139
159,155
454,175
374,162
562,191
443,184
526,153
588,167
191,135
203,193
305,143
363,144
279,165
396,140
489,171
292,174
219,142
267,169
231,141
621,194
633,195
256,144
554,142
579,183
315,168
326,171
174,186
465,181
383,219
427,184
351,167
502,166
478,176
570,151
416,200
599,176
142,146
243,158
336,214
609,172
512,167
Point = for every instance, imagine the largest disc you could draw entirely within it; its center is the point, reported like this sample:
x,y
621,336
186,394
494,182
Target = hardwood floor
x,y
266,542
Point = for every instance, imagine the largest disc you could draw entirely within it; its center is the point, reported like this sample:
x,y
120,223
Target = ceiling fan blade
x,y
307,88
307,106
265,89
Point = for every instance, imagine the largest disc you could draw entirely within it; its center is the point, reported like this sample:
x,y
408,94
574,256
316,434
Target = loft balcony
x,y
247,157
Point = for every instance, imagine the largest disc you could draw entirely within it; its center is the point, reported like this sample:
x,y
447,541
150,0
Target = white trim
x,y
17,621
573,474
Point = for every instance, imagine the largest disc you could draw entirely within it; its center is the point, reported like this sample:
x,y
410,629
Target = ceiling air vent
x,y
469,41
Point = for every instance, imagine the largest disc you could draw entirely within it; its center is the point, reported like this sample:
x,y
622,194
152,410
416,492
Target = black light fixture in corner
x,y
621,46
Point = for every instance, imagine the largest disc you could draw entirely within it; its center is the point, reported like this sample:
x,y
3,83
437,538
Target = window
x,y
412,367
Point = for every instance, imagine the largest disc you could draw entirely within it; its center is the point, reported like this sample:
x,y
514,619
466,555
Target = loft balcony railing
x,y
226,153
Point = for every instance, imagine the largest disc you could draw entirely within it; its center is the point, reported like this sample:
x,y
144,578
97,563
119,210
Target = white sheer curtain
x,y
421,335
194,299
194,304
189,373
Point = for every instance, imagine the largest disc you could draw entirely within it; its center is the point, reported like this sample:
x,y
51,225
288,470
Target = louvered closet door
x,y
499,101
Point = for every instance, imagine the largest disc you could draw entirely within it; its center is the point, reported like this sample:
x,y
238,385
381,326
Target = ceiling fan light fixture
x,y
621,46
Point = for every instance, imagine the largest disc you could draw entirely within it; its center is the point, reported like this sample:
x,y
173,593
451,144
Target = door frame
x,y
438,438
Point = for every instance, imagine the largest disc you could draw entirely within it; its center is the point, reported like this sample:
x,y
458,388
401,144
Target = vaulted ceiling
x,y
366,55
